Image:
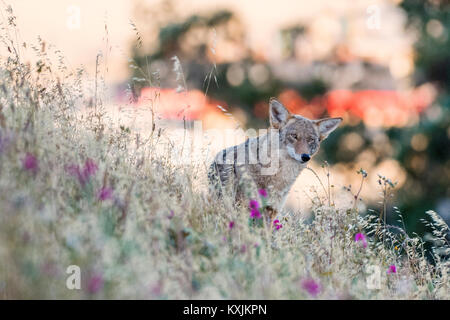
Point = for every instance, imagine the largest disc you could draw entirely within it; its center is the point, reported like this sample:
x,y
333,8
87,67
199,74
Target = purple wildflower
x,y
75,171
90,168
83,175
157,289
5,141
30,163
254,213
105,193
49,268
277,224
360,237
311,286
392,269
231,225
262,192
253,204
95,284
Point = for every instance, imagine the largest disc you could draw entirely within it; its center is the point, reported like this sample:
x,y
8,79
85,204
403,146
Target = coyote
x,y
291,142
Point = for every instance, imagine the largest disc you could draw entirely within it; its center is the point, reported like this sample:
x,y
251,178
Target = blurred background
x,y
384,66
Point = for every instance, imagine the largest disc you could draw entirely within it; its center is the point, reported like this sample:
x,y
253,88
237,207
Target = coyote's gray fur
x,y
291,142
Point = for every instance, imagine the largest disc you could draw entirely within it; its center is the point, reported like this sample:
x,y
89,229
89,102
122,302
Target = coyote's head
x,y
299,136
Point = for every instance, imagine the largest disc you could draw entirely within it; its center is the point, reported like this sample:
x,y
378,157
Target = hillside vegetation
x,y
77,190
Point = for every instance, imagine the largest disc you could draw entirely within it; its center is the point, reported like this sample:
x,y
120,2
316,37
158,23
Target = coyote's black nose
x,y
305,157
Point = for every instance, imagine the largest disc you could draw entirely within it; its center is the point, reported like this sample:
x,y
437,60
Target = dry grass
x,y
158,235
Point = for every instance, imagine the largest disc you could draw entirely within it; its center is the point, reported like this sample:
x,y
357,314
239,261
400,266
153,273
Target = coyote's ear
x,y
279,115
326,126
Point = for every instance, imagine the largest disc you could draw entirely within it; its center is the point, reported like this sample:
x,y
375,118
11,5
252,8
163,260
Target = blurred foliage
x,y
431,19
243,96
426,184
169,36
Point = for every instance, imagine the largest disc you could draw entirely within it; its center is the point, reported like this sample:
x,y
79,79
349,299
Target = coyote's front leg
x,y
248,190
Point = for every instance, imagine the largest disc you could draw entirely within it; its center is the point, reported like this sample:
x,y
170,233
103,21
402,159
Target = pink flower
x,y
75,171
311,286
231,225
253,204
254,213
360,237
392,269
105,193
83,175
95,284
262,192
49,268
157,288
277,224
30,163
90,168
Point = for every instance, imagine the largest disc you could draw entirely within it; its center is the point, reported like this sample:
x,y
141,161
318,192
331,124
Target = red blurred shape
x,y
390,108
292,100
169,104
375,107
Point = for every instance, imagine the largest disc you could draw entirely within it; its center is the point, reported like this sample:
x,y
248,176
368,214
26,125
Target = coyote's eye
x,y
293,136
312,145
310,141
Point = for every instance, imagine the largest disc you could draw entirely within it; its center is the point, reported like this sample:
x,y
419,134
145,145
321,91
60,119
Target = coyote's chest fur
x,y
272,161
